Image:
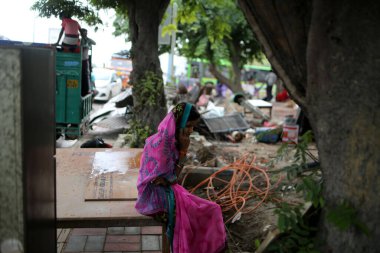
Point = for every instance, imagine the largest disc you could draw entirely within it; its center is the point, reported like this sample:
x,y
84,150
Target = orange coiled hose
x,y
243,185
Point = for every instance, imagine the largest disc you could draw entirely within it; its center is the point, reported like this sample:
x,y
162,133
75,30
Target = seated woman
x,y
194,225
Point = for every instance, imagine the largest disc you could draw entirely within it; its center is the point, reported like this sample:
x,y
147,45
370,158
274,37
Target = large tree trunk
x,y
282,29
144,19
327,53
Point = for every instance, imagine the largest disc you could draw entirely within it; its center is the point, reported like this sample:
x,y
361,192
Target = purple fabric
x,y
158,159
199,223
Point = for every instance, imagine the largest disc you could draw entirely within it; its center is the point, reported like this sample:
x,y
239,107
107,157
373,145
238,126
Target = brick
x,y
132,230
150,242
95,243
122,247
89,231
63,235
151,230
123,238
115,230
75,243
60,247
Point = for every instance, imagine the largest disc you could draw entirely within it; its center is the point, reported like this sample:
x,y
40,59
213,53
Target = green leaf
x,y
281,223
168,29
257,243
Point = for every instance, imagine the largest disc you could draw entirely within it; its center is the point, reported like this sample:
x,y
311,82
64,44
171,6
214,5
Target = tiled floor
x,y
113,239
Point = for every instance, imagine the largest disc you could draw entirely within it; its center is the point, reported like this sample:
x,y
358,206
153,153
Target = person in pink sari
x,y
194,225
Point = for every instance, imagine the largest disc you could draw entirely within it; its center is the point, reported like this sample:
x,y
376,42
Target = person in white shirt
x,y
270,79
86,44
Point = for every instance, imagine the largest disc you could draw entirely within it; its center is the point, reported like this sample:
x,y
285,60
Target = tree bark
x,y
233,83
144,19
328,54
230,83
282,29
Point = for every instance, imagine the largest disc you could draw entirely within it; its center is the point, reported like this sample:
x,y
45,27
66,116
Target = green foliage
x,y
298,231
169,29
344,216
216,30
137,134
298,236
121,25
78,9
312,190
257,243
149,88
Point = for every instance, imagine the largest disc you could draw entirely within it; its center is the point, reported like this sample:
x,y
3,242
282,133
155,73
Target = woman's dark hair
x,y
194,114
179,109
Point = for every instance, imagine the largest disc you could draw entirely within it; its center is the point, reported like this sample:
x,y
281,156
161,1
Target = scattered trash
x,y
226,123
236,217
235,136
95,143
249,133
268,134
61,142
253,105
212,111
290,130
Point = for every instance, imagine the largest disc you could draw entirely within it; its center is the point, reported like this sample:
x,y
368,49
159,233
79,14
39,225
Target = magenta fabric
x,y
199,226
158,159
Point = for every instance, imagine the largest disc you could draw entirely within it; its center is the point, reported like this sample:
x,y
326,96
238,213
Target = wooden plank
x,y
112,186
74,167
113,177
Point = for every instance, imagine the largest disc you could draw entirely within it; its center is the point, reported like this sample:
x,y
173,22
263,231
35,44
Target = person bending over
x,y
193,224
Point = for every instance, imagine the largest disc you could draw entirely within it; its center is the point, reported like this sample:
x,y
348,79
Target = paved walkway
x,y
113,239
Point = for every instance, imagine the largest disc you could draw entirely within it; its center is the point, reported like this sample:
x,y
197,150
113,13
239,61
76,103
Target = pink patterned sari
x,y
199,226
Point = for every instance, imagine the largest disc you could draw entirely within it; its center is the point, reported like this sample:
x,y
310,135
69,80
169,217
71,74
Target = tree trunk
x,y
233,83
282,29
148,95
327,53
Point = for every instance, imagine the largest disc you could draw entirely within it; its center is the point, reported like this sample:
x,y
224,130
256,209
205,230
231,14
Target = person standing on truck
x,y
71,29
86,44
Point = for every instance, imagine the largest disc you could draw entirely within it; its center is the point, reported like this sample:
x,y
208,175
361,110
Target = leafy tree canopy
x,y
216,30
83,11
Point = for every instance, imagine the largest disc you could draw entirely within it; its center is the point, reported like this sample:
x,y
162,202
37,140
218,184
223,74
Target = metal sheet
x,y
226,123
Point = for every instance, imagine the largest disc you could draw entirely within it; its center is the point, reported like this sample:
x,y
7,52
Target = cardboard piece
x,y
113,177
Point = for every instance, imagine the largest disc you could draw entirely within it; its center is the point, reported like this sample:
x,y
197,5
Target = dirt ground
x,y
254,225
219,152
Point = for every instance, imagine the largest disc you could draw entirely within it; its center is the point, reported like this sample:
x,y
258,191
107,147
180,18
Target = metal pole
x,y
172,46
